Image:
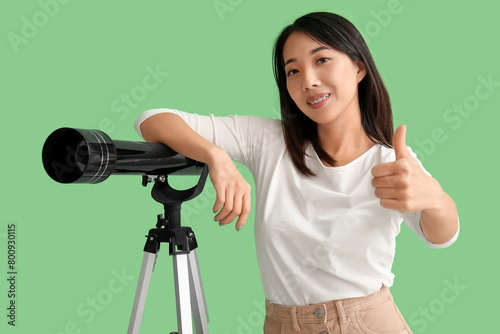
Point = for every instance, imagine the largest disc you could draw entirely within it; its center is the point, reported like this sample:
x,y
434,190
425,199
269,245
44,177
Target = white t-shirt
x,y
318,238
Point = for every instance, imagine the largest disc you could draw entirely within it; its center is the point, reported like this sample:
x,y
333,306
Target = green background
x,y
81,57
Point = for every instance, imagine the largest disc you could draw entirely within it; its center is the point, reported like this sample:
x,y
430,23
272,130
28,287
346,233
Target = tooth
x,y
319,99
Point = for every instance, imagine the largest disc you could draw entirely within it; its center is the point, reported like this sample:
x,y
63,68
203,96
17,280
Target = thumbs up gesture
x,y
402,184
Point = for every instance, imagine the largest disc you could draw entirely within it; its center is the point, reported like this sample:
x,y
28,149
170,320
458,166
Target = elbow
x,y
148,132
153,127
445,241
151,123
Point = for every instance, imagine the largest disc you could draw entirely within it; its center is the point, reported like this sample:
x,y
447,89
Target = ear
x,y
361,70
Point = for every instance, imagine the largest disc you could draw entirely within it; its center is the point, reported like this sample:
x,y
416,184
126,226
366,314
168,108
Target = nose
x,y
310,80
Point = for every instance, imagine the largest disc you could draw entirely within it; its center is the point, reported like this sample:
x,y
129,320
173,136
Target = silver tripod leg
x,y
189,294
182,293
198,303
191,304
141,293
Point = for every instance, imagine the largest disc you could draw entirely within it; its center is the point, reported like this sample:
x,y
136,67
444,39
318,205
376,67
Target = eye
x,y
291,72
322,60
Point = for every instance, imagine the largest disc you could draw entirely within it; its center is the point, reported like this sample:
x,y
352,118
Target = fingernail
x,y
220,224
239,228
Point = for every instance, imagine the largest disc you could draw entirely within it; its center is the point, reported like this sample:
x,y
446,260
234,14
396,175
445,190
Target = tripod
x,y
189,293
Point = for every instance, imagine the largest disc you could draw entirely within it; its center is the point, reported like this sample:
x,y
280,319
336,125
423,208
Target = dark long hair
x,y
376,113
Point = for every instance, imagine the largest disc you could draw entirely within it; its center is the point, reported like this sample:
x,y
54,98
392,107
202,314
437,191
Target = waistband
x,y
326,311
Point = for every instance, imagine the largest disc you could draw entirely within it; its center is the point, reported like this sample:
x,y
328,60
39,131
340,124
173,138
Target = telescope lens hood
x,y
79,156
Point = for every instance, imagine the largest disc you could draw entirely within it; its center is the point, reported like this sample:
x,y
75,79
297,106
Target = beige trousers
x,y
373,314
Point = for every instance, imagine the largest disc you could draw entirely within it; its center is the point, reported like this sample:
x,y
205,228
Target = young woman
x,y
332,183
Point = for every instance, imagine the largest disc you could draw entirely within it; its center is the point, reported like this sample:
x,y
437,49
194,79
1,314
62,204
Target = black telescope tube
x,y
90,156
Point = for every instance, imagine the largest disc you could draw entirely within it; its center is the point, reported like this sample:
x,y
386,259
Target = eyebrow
x,y
314,51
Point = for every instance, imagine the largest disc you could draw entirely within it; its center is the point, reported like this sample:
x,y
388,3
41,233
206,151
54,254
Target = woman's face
x,y
322,81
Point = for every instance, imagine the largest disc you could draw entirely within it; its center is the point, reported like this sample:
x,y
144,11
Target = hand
x,y
233,191
402,184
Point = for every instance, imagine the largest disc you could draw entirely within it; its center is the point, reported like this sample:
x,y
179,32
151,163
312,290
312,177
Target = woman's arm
x,y
439,222
233,192
404,186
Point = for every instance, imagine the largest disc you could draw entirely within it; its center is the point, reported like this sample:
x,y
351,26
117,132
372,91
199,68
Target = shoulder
x,y
258,120
384,153
260,126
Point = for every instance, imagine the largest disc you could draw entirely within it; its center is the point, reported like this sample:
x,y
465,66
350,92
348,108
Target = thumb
x,y
399,142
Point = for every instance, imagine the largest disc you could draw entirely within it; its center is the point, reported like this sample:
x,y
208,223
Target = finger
x,y
399,142
384,169
228,205
386,193
245,212
219,201
390,203
235,212
398,204
388,181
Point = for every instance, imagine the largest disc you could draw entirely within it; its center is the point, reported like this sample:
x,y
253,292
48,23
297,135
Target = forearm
x,y
440,222
233,192
171,130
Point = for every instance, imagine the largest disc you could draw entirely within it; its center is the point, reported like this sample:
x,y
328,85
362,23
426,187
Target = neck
x,y
344,140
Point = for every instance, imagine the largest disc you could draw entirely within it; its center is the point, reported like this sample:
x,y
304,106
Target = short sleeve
x,y
412,220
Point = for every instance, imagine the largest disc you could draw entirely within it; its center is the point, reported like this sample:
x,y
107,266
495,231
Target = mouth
x,y
318,99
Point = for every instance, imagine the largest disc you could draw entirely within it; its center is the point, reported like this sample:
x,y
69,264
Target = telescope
x,y
90,156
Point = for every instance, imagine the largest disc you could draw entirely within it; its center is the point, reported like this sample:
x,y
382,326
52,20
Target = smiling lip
x,y
325,96
317,96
